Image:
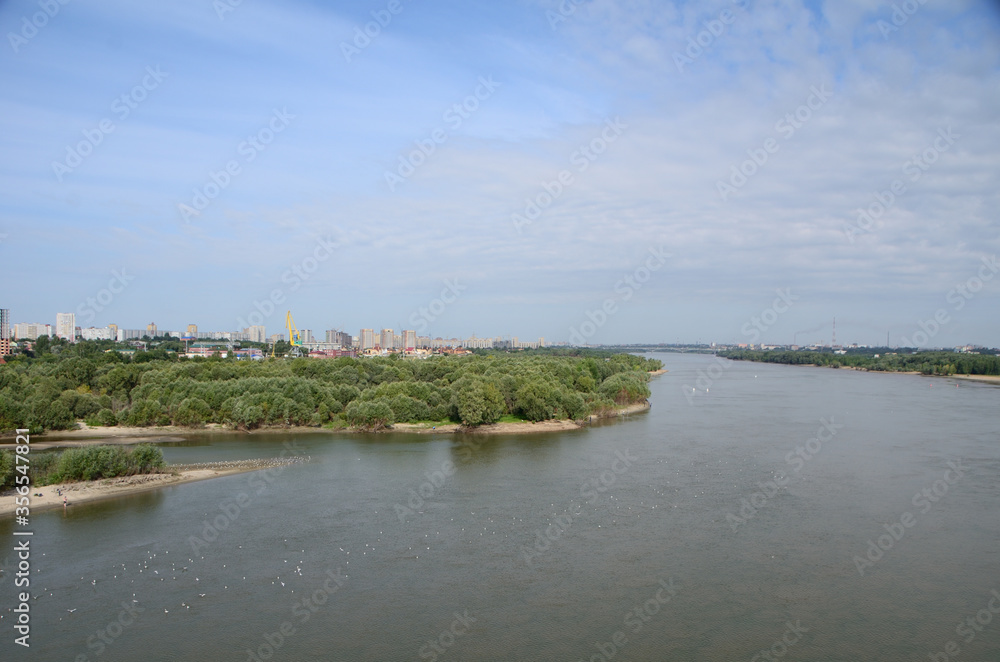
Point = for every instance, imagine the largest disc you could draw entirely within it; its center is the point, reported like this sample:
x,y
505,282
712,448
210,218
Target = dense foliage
x,y
87,463
928,363
52,391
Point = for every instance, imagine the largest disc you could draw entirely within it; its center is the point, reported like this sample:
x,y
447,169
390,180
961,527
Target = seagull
x,y
201,595
71,610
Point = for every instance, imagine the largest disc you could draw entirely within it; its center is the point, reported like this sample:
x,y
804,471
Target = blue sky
x,y
647,110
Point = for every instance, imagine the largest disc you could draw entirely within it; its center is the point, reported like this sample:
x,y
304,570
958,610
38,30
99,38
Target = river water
x,y
629,540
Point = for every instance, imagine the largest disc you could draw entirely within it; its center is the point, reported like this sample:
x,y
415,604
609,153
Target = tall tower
x,y
66,326
834,333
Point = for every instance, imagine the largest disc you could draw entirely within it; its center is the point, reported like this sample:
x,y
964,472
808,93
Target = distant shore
x,y
994,379
94,490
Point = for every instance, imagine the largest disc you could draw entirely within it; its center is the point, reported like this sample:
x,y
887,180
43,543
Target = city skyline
x,y
386,338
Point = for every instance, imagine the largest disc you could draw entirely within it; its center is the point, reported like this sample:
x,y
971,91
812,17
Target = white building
x,y
31,330
94,333
256,333
66,326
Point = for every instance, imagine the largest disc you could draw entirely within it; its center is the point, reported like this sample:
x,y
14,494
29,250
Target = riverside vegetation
x,y
927,363
51,391
89,463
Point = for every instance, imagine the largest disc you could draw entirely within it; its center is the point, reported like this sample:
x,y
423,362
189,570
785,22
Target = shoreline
x,y
87,436
988,379
88,491
560,425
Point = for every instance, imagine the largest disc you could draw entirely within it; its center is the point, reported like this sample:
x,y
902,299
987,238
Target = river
x,y
811,513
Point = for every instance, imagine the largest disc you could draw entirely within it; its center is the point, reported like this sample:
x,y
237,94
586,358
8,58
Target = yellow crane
x,y
294,338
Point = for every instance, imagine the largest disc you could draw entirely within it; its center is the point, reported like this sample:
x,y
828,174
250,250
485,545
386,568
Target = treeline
x,y
88,463
51,392
927,363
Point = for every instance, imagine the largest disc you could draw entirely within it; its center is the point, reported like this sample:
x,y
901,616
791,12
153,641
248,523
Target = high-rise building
x,y
409,340
335,337
192,330
94,333
66,326
151,329
31,331
129,334
114,331
387,341
306,336
256,333
366,339
5,347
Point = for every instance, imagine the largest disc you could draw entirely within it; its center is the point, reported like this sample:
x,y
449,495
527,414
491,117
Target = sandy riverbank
x,y
93,490
89,435
520,427
993,379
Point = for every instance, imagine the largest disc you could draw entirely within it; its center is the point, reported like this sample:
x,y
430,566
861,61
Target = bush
x,y
373,415
96,462
479,403
535,401
192,412
625,387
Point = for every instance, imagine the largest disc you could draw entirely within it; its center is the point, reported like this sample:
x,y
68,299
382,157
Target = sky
x,y
600,171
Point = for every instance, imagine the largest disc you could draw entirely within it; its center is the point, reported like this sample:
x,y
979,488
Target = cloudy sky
x,y
609,170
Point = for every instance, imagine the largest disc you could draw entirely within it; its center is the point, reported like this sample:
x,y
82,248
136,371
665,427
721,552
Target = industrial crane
x,y
294,338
